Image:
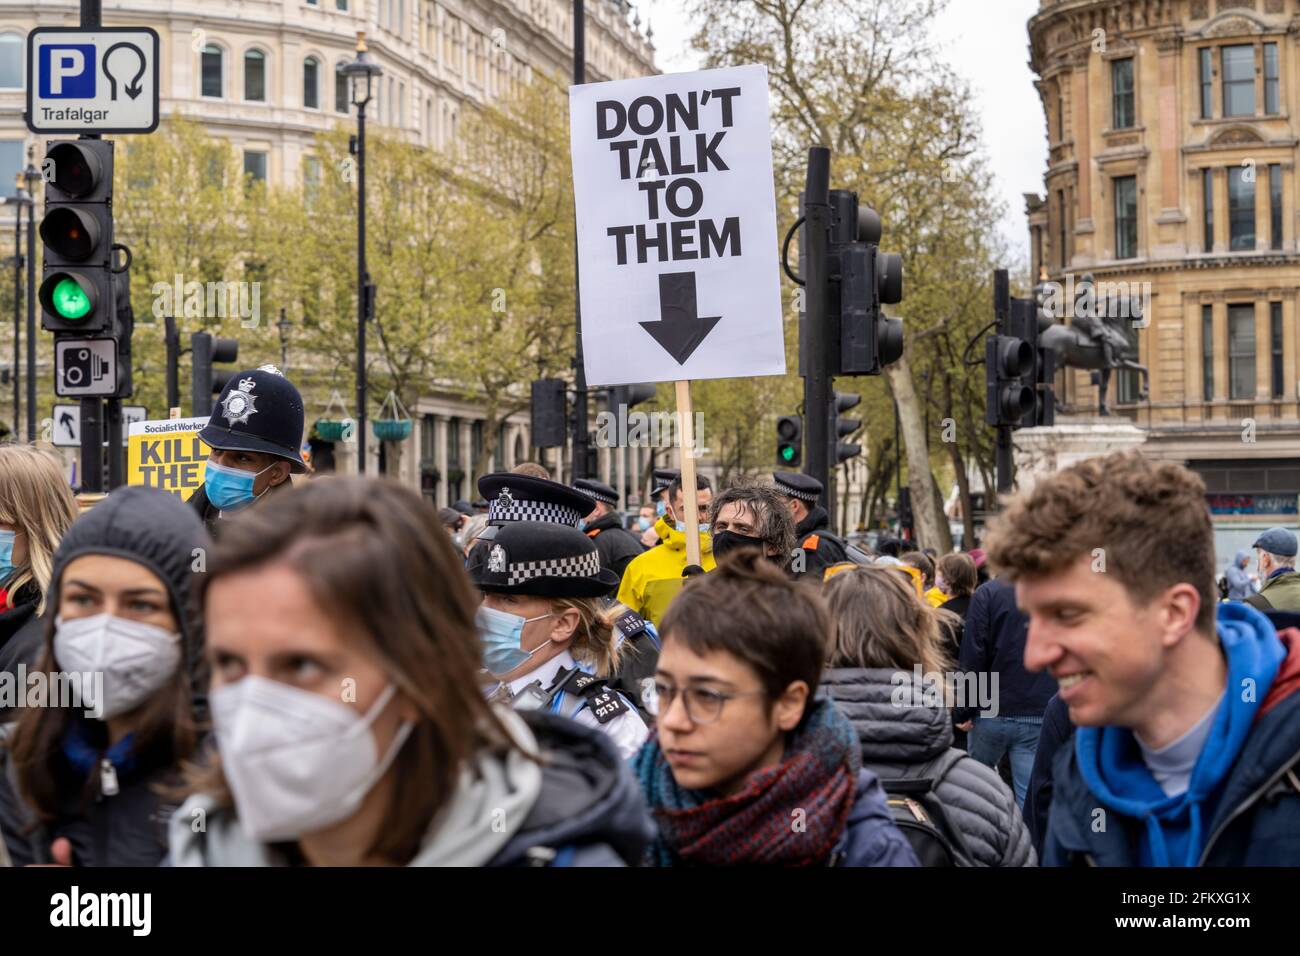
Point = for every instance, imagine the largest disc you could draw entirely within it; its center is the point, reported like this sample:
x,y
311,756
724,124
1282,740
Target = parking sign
x,y
101,80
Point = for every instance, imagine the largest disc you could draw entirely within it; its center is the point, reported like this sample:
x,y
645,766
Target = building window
x,y
11,61
1207,82
1241,351
1126,223
1207,351
1275,346
1061,253
341,100
341,4
255,166
1207,200
1121,92
1272,99
1239,80
211,70
311,176
1241,209
11,164
1275,205
255,76
311,83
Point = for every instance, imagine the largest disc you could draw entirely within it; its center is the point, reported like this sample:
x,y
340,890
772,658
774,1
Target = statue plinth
x,y
1074,438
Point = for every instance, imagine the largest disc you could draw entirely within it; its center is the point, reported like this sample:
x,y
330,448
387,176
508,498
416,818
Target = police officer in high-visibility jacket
x,y
820,549
548,640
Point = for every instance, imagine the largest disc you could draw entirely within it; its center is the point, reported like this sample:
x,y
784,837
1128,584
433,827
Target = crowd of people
x,y
333,672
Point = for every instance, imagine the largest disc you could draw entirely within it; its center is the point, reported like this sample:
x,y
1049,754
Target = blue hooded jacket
x,y
1173,830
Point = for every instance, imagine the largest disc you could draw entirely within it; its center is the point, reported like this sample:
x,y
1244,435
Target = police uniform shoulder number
x,y
603,702
630,624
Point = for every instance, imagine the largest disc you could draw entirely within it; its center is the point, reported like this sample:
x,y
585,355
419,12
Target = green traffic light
x,y
70,299
787,453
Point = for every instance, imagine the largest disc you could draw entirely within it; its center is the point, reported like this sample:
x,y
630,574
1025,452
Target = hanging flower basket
x,y
334,429
396,427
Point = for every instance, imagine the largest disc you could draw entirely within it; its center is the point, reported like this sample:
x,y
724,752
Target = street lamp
x,y
19,200
283,328
361,70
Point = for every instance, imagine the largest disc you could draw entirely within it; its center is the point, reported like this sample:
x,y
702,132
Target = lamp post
x,y
17,203
32,176
283,328
362,70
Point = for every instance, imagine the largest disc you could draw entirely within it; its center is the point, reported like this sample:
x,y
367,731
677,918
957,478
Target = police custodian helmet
x,y
259,410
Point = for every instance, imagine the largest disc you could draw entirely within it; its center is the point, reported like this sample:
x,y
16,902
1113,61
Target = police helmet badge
x,y
497,559
240,402
505,499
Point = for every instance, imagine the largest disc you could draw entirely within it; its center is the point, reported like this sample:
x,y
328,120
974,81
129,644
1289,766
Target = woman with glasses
x,y
888,674
746,765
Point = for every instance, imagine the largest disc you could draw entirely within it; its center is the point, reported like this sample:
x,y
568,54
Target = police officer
x,y
616,546
820,548
546,639
255,433
509,497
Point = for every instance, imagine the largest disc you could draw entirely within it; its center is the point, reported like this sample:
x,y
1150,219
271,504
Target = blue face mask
x,y
229,487
644,524
500,633
704,526
582,524
661,508
6,554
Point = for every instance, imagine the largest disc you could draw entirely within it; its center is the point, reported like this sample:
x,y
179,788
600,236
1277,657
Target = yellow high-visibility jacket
x,y
651,580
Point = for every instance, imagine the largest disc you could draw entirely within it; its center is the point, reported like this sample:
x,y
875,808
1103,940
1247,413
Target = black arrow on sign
x,y
680,328
66,421
133,89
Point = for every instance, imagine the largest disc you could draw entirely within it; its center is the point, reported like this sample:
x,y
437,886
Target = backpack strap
x,y
925,778
1259,602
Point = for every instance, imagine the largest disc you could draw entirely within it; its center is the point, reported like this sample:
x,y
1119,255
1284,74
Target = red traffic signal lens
x,y
70,233
76,171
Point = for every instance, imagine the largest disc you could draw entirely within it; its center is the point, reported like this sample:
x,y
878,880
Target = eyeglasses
x,y
703,706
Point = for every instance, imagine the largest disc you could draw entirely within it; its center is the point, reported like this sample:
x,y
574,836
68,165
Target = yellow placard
x,y
167,454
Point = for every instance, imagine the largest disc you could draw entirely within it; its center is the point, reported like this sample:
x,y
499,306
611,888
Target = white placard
x,y
676,218
101,80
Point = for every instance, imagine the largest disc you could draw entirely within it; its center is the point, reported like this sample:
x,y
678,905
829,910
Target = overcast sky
x,y
987,44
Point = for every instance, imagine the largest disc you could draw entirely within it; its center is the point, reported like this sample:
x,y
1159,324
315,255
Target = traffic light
x,y
843,427
77,291
628,397
869,340
789,442
1008,359
548,413
205,350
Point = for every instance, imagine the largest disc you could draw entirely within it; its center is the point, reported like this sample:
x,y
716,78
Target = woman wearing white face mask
x,y
84,764
350,725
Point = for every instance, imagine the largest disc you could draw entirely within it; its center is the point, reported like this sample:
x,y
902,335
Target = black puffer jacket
x,y
128,828
21,631
895,736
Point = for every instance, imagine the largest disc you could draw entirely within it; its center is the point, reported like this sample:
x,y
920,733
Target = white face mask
x,y
296,762
136,659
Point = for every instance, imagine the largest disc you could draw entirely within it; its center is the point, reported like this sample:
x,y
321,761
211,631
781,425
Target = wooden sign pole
x,y
689,492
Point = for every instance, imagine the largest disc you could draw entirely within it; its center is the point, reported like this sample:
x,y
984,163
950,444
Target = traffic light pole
x,y
113,423
579,369
31,320
92,442
363,283
18,271
816,383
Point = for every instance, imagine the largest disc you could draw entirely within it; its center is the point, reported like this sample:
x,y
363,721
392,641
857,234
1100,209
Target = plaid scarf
x,y
759,825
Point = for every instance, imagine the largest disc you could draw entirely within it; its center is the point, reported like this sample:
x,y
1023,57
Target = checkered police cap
x,y
791,492
502,510
582,566
512,498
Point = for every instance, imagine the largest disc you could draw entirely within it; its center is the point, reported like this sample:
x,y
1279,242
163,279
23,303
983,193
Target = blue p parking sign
x,y
67,71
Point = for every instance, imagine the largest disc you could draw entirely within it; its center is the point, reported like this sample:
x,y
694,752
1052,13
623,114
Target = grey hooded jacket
x,y
580,807
899,729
